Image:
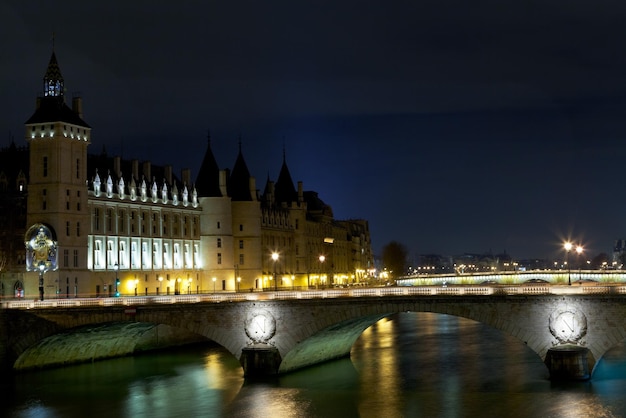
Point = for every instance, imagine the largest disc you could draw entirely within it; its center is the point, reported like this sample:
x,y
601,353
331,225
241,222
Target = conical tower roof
x,y
51,107
239,181
208,179
284,189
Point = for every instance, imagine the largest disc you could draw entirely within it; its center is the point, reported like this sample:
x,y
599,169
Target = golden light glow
x,y
567,246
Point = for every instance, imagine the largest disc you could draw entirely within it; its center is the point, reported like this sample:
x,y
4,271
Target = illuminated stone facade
x,y
136,228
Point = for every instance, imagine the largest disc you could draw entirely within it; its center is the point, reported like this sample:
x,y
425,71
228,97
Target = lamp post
x,y
322,258
42,266
568,248
214,279
160,283
189,285
275,259
136,283
238,283
117,280
579,251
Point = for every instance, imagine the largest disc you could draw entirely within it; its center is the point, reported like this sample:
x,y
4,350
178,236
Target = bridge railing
x,y
362,292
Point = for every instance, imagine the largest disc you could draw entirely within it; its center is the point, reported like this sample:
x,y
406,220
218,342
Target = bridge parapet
x,y
452,290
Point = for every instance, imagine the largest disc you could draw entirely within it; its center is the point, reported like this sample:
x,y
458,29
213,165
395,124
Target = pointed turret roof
x,y
51,107
208,179
239,181
53,79
284,189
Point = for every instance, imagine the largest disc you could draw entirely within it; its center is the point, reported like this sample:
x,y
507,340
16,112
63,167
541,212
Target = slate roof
x,y
239,180
208,179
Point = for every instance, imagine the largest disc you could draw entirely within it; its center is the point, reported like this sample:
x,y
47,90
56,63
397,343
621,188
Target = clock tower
x,y
58,138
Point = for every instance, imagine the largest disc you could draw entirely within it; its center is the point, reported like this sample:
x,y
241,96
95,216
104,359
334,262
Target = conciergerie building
x,y
76,224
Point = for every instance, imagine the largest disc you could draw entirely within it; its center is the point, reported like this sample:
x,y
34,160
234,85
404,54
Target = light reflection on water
x,y
411,365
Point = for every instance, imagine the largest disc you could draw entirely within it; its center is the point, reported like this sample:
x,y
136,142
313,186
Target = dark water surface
x,y
410,365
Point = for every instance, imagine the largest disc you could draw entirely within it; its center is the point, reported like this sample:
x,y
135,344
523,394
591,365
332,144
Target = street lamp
x,y
275,259
136,283
322,259
189,285
568,248
579,251
42,266
238,283
117,280
214,279
160,283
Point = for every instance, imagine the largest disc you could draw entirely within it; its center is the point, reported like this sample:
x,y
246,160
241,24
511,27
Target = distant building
x,y
111,218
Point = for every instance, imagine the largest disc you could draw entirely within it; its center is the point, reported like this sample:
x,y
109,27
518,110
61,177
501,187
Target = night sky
x,y
452,126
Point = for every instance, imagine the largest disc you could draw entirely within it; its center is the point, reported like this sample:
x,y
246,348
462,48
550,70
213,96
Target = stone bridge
x,y
281,335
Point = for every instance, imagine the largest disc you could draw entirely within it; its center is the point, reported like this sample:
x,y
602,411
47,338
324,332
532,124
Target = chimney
x,y
168,174
186,177
135,168
146,170
224,182
252,186
300,192
77,106
117,166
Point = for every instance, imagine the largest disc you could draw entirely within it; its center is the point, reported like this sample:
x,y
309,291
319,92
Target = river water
x,y
408,365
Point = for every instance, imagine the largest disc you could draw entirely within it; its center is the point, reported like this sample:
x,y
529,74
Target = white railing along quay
x,y
318,294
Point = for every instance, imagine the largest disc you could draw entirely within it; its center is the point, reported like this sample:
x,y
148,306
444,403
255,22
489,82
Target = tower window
x,y
45,166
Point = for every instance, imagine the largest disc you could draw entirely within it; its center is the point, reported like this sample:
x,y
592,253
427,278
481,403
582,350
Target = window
x,y
240,227
121,220
297,223
218,224
75,258
96,219
109,220
219,258
78,229
240,259
297,249
78,169
66,258
241,244
45,166
67,228
219,243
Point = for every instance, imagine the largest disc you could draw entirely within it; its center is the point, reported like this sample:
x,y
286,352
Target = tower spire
x,y
53,79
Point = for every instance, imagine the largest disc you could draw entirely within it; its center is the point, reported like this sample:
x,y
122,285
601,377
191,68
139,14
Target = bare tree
x,y
395,258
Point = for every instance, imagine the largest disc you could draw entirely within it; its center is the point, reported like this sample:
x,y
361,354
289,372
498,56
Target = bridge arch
x,y
310,331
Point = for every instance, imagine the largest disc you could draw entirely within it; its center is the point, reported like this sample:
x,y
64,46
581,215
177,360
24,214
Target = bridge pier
x,y
568,362
260,360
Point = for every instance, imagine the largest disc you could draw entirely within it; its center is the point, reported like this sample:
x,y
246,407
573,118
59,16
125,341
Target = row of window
x,y
219,243
123,221
44,167
143,254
